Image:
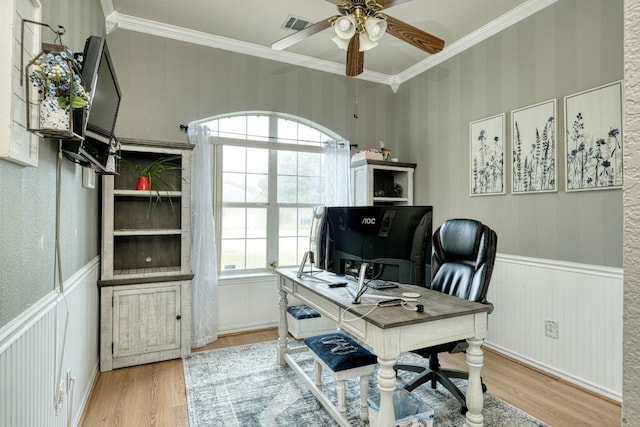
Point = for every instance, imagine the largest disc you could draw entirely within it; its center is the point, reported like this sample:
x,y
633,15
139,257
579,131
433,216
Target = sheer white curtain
x,y
204,264
336,161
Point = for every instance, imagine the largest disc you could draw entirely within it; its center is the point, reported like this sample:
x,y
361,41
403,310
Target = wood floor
x,y
154,394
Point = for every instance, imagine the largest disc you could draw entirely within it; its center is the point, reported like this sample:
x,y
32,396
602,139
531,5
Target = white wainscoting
x,y
584,300
56,336
248,303
586,303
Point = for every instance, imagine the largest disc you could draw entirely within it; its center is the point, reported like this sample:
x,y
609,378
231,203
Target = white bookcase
x,y
145,280
382,183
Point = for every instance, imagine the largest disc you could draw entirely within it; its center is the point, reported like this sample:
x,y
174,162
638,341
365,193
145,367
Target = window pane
x,y
257,188
257,222
257,160
303,246
233,127
288,222
287,131
232,255
309,190
258,127
234,223
287,189
287,163
288,251
308,135
304,221
233,187
234,159
309,164
256,253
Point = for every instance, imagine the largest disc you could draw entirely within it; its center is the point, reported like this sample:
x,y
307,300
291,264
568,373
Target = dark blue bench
x,y
345,358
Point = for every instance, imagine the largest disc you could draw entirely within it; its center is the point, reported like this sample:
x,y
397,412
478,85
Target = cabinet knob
x,y
178,317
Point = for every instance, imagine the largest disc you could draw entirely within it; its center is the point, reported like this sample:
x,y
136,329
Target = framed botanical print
x,y
486,144
594,138
533,136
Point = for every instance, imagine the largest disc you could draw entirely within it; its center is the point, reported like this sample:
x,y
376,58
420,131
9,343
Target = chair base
x,y
438,376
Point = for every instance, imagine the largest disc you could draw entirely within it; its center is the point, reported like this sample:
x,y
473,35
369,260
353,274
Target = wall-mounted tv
x,y
101,82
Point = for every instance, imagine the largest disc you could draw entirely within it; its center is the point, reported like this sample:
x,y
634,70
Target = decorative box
x,y
305,322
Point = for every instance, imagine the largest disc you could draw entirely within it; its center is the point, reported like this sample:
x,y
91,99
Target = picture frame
x,y
18,145
486,146
534,148
594,138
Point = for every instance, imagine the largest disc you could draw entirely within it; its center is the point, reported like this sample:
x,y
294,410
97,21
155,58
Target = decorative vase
x,y
52,116
143,183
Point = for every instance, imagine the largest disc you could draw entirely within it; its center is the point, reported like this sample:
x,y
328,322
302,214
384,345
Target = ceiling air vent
x,y
295,23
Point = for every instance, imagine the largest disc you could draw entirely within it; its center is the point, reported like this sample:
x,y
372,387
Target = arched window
x,y
270,170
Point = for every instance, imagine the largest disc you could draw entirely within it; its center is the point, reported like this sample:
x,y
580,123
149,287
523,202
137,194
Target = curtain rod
x,y
185,128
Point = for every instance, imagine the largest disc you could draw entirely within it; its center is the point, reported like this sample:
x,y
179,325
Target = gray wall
x,y
167,83
568,47
28,194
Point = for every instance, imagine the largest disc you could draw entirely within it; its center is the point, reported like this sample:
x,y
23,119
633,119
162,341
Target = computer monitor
x,y
395,241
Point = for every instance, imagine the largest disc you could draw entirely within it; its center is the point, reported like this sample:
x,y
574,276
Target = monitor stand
x,y
362,288
308,257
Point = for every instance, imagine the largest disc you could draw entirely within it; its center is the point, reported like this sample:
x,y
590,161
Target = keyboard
x,y
374,283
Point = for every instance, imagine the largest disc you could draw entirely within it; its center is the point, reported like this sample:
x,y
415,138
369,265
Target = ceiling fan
x,y
359,25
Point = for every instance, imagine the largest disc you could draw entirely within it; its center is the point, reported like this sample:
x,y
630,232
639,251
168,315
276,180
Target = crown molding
x,y
499,24
115,20
126,22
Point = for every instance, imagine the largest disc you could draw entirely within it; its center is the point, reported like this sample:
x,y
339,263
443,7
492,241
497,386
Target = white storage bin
x,y
305,322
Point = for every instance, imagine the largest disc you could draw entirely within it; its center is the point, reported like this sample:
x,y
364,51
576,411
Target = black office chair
x,y
463,254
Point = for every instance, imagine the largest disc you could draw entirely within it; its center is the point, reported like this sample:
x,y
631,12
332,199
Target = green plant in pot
x,y
154,176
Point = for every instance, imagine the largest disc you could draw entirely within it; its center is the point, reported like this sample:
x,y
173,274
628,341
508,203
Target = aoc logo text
x,y
368,221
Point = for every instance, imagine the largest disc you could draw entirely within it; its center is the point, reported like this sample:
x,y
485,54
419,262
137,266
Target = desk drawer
x,y
325,307
350,323
286,284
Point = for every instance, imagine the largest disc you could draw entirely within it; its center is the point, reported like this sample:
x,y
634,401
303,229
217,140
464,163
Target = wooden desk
x,y
391,331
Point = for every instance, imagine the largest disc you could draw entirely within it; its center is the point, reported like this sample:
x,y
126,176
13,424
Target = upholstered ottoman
x,y
344,358
304,322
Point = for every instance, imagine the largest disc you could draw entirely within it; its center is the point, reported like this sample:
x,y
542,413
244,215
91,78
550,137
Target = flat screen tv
x,y
394,240
100,79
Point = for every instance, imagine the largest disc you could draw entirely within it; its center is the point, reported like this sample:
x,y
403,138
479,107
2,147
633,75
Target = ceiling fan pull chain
x,y
355,104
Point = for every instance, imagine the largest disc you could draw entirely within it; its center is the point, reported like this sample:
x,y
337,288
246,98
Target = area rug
x,y
244,386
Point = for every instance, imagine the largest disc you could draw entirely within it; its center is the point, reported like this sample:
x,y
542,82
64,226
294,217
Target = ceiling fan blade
x,y
390,3
414,36
298,36
355,58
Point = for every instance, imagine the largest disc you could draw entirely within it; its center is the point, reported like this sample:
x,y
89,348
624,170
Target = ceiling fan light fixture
x,y
366,43
345,26
340,42
376,27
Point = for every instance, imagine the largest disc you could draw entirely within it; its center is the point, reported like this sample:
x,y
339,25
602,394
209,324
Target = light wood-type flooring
x,y
154,394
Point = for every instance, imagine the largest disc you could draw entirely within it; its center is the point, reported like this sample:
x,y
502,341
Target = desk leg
x,y
283,328
386,385
475,398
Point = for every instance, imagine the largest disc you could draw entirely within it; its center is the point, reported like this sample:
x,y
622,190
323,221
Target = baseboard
x,y
254,327
560,375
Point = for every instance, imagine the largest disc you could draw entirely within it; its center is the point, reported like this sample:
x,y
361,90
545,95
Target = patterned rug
x,y
244,386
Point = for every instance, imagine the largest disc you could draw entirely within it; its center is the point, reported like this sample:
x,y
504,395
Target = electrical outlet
x,y
551,329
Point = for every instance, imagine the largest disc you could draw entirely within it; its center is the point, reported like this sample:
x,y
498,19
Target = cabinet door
x,y
146,320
